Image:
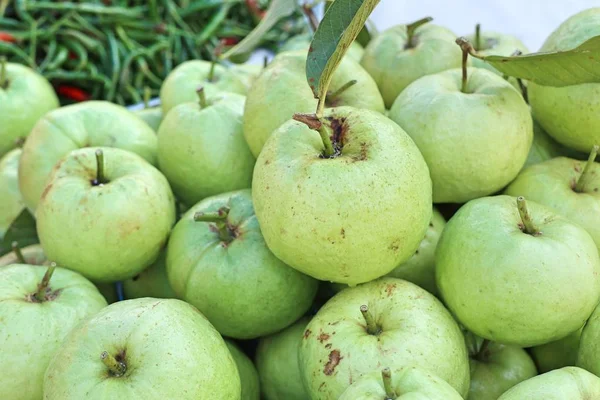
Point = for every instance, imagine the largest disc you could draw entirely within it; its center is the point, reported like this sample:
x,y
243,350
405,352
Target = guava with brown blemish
x,y
333,214
38,308
107,215
501,268
369,328
127,349
218,261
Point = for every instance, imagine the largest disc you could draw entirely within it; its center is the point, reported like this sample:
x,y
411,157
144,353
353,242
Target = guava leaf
x,y
278,10
21,230
561,68
342,22
367,33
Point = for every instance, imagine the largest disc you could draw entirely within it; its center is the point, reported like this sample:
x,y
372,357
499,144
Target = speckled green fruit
x,y
552,183
474,143
302,42
202,151
570,114
24,98
92,123
497,44
183,82
394,63
33,255
420,268
495,368
247,372
151,116
151,282
281,91
278,366
241,287
588,356
406,383
11,201
351,218
557,354
169,351
569,383
32,330
543,147
410,327
111,231
508,286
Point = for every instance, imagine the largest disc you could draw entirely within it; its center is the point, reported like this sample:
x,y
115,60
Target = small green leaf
x,y
367,33
341,24
561,68
278,10
22,230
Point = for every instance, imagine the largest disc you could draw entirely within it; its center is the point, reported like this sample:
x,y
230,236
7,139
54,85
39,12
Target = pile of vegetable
x,y
112,50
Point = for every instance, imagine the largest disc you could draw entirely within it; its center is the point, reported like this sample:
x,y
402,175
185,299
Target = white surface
x,y
529,20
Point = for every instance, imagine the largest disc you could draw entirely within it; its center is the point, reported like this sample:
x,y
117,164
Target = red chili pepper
x,y
229,41
73,93
7,37
255,8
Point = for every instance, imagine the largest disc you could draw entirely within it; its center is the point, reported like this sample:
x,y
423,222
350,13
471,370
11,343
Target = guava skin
x,y
32,331
407,382
151,116
321,216
558,354
570,383
416,330
247,372
570,114
278,366
589,344
106,232
241,287
499,368
11,201
170,349
281,90
27,98
420,268
508,286
33,255
496,44
552,183
88,124
202,151
394,66
181,84
475,143
151,282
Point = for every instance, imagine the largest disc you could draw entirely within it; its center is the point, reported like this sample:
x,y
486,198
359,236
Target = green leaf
x,y
22,230
561,68
278,10
367,33
341,24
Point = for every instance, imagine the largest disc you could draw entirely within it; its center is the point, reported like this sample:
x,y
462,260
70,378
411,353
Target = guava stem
x,y
481,354
202,97
372,328
386,376
325,133
147,96
466,48
218,218
17,250
100,179
478,37
586,174
40,295
312,18
3,79
342,89
411,28
115,367
211,73
528,225
316,124
265,62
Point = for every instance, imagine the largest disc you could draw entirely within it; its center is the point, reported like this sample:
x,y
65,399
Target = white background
x,y
530,20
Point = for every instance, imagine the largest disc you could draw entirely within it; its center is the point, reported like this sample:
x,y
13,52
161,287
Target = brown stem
x,y
411,28
467,49
528,225
312,18
314,123
586,174
40,295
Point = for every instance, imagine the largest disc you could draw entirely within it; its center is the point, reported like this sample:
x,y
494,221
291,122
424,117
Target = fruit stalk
x,y
17,250
211,73
315,123
478,37
585,175
411,28
147,96
528,225
342,89
3,80
218,218
466,48
40,295
310,15
372,328
202,97
481,354
115,367
386,376
100,179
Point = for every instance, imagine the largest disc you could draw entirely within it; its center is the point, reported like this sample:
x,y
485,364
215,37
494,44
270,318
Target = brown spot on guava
x,y
321,386
328,346
307,333
389,289
323,337
46,190
267,162
343,233
334,360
